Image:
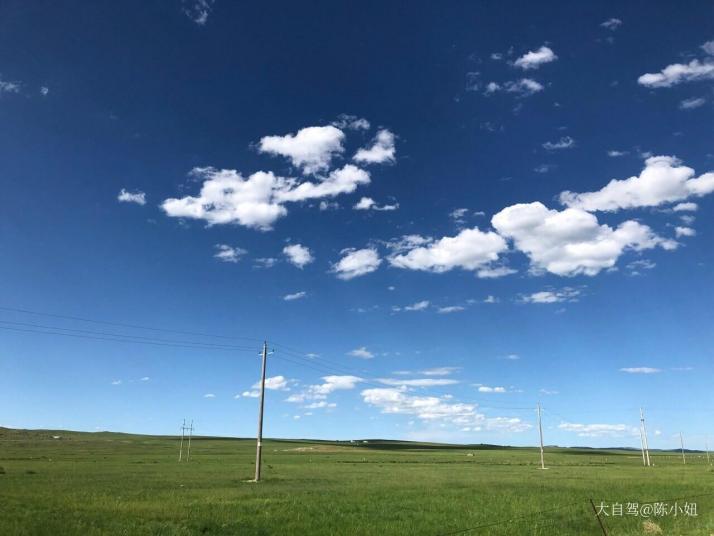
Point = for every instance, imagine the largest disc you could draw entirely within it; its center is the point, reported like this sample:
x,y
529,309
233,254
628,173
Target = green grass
x,y
124,484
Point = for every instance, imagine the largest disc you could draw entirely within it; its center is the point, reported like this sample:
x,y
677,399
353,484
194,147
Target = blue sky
x,y
437,217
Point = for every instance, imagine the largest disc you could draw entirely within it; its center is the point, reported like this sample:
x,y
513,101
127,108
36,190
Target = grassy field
x,y
108,483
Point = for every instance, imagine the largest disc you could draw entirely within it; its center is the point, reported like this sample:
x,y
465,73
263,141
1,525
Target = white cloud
x,y
640,370
9,87
298,255
361,352
535,58
613,153
458,214
250,394
708,47
295,296
684,231
566,294
329,205
471,249
320,404
198,10
571,242
487,389
209,395
685,207
439,371
44,91
490,299
418,382
321,391
612,24
265,262
566,142
311,149
522,88
356,262
694,102
599,430
144,379
663,180
226,253
382,151
450,309
275,383
439,410
418,306
510,357
678,73
494,272
116,382
367,203
351,122
258,201
548,392
137,197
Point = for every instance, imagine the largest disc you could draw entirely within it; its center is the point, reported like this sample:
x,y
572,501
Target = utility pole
x,y
183,427
681,442
190,433
259,446
540,430
642,445
644,436
706,446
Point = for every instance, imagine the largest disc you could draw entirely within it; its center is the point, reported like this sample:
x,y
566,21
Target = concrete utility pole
x,y
190,433
642,445
681,442
540,430
644,437
183,427
259,446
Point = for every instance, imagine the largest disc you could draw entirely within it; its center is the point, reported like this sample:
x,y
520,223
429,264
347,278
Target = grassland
x,y
116,484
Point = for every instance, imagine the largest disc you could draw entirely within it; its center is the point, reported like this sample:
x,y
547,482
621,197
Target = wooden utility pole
x,y
259,446
540,431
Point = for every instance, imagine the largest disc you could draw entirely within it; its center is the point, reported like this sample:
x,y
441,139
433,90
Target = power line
x,y
124,325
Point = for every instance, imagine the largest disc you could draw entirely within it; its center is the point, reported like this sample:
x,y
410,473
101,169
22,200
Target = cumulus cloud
x,y
418,306
566,142
226,253
535,58
599,430
198,10
311,149
295,296
356,262
571,242
9,87
432,409
209,395
691,104
640,370
382,151
685,207
684,231
566,294
298,255
614,153
521,88
137,197
351,122
418,382
678,73
257,201
322,391
367,203
450,309
361,352
663,180
488,389
612,24
471,249
275,383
